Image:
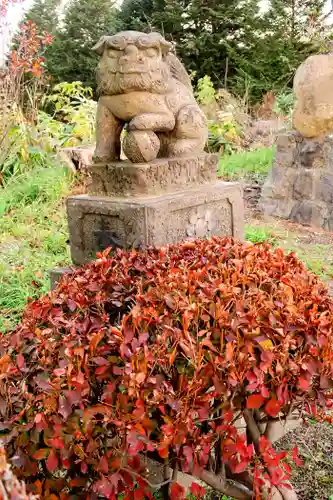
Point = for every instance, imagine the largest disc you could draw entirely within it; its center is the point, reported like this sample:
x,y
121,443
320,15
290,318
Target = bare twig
x,y
175,473
243,478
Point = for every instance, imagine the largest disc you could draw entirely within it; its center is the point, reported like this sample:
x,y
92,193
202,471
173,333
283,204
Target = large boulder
x,y
313,85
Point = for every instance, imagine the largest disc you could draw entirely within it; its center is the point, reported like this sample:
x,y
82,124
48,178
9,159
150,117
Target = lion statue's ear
x,y
99,46
177,70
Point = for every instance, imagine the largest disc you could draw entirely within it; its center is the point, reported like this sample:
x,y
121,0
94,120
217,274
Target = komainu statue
x,y
143,85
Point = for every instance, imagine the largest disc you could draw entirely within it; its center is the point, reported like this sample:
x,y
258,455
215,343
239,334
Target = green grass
x,y
252,165
258,234
33,237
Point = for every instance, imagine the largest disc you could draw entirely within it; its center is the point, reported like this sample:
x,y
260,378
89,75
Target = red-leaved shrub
x,y
159,354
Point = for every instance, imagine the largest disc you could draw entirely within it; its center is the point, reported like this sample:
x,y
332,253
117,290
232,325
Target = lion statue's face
x,y
132,61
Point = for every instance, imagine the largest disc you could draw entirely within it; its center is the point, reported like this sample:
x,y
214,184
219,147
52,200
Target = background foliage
x,y
236,43
70,57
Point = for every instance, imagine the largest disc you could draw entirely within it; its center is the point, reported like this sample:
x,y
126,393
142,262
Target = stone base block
x,y
57,274
300,183
123,178
96,223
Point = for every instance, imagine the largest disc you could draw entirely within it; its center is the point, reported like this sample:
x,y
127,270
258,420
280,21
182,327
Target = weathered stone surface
x,y
160,176
324,188
304,184
307,212
143,84
141,146
96,223
300,183
77,158
313,114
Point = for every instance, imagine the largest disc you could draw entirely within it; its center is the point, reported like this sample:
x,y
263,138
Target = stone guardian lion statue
x,y
142,83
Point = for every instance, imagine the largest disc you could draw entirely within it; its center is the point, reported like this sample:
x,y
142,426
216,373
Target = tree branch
x,y
278,493
252,428
151,485
286,493
166,477
175,473
226,487
243,478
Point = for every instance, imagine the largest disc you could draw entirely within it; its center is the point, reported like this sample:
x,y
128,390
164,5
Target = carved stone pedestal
x,y
124,178
166,201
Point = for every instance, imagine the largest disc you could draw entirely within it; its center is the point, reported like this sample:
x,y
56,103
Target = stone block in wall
x,y
300,184
324,188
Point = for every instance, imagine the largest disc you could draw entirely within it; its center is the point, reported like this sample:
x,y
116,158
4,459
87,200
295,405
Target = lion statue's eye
x,y
151,52
113,53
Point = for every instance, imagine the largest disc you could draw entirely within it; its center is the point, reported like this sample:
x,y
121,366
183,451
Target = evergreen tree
x,y
136,15
206,31
235,42
202,29
232,41
70,57
289,34
43,13
294,18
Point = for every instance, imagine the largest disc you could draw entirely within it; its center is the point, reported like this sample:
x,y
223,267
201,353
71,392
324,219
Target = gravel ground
x,y
313,481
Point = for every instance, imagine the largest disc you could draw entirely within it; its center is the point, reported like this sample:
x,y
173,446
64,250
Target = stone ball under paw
x,y
141,146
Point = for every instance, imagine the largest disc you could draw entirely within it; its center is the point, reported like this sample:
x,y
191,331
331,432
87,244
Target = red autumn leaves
x,y
272,407
160,352
27,57
178,492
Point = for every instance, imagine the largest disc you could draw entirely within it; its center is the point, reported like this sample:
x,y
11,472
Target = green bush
x,y
205,92
284,103
223,138
35,144
258,234
74,105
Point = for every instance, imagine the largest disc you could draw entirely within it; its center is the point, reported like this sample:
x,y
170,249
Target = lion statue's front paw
x,y
141,146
